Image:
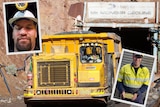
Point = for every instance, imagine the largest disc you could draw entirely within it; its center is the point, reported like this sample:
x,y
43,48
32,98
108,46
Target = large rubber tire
x,y
29,105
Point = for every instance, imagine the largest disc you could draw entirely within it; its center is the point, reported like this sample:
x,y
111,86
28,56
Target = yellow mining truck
x,y
74,67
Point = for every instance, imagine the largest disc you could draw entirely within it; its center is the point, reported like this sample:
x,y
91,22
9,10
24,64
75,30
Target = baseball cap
x,y
26,14
138,55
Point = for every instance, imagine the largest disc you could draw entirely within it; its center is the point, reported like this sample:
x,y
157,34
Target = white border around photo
x,y
119,66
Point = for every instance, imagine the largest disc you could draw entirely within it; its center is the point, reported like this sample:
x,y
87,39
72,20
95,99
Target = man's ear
x,y
36,35
36,30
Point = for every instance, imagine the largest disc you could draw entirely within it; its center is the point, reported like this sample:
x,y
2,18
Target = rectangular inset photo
x,y
22,27
133,78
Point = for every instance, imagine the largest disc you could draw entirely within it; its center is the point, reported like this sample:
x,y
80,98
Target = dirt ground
x,y
21,104
14,104
16,85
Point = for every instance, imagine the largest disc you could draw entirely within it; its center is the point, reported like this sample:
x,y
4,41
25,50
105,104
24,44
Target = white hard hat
x,y
22,14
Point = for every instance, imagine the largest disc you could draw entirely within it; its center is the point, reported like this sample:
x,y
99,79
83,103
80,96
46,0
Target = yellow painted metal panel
x,y
88,76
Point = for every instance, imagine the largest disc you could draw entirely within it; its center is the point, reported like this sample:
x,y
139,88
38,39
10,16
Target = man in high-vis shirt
x,y
133,80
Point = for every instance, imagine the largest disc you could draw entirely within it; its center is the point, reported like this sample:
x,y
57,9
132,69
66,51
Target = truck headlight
x,y
38,92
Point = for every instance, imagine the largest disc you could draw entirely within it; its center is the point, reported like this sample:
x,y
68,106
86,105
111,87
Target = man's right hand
x,y
134,97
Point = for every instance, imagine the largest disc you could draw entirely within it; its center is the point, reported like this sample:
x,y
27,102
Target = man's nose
x,y
23,31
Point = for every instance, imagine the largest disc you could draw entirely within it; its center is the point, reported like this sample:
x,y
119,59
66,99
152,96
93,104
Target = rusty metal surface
x,y
76,9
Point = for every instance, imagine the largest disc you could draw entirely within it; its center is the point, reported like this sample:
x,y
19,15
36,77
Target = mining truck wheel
x,y
29,105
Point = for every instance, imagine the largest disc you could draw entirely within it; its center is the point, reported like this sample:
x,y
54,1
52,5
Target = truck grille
x,y
54,73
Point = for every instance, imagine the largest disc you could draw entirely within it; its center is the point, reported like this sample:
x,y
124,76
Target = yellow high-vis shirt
x,y
131,79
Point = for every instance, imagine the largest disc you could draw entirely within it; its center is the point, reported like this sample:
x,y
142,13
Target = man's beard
x,y
24,47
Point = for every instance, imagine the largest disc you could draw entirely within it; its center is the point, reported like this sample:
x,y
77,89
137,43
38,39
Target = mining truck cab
x,y
90,53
